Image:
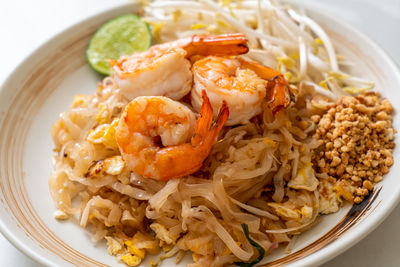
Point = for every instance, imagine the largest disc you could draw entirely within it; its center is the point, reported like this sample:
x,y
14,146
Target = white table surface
x,y
25,24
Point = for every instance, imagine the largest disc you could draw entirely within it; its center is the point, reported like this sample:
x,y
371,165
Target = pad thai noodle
x,y
210,142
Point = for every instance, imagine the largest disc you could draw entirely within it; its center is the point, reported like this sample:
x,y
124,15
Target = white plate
x,y
44,85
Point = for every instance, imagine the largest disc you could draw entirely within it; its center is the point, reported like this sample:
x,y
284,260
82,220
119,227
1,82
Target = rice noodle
x,y
201,212
131,191
254,210
157,201
96,182
293,229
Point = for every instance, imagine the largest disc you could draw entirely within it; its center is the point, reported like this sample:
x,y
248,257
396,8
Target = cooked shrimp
x,y
165,69
153,136
279,94
242,84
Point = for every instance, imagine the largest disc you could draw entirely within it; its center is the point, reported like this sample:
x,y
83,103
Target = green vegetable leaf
x,y
261,251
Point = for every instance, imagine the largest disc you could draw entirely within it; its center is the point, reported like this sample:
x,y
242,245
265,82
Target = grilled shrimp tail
x,y
217,45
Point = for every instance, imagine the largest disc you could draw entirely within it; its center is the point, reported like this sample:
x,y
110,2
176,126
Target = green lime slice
x,y
120,36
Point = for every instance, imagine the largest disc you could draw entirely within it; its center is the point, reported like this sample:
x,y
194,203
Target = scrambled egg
x,y
306,211
134,255
328,202
147,242
104,134
131,260
104,114
141,253
305,179
113,245
129,252
201,245
286,210
162,233
344,190
112,166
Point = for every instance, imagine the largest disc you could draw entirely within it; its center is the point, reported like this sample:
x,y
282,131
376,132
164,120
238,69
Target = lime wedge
x,y
120,36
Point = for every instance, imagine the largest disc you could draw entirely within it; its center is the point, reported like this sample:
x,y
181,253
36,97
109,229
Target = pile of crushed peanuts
x,y
356,144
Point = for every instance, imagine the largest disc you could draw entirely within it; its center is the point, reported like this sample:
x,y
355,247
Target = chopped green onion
x,y
261,251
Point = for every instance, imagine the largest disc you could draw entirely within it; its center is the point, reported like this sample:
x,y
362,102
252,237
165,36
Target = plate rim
x,y
335,248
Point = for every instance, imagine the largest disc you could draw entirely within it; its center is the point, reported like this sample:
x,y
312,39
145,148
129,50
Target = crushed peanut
x,y
356,143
